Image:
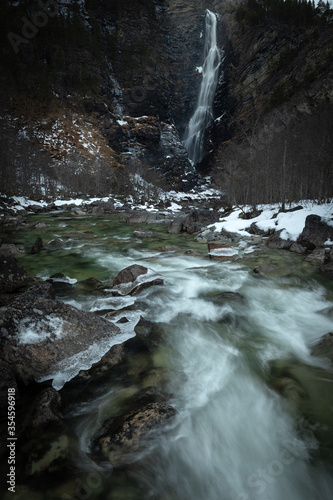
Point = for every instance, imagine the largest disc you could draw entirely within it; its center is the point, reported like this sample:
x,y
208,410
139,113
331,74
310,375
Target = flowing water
x,y
203,115
230,339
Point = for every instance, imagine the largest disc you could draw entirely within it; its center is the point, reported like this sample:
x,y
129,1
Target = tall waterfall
x,y
203,115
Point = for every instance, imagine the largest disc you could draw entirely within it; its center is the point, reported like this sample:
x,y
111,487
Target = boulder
x,y
134,279
317,257
129,274
276,242
176,226
316,232
9,249
128,433
12,274
39,333
297,248
37,246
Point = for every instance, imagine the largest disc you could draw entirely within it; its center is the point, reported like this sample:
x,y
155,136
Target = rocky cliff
x,y
273,141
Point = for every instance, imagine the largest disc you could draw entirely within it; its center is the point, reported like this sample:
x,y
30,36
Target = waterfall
x,y
203,115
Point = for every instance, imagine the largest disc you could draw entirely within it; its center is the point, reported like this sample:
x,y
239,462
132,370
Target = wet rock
x,y
129,274
134,279
316,232
37,246
297,248
49,455
176,225
223,297
206,235
276,242
60,286
90,284
9,249
46,409
78,212
12,274
145,218
324,348
137,288
149,332
169,248
271,271
100,370
143,233
42,333
317,257
224,253
193,252
55,244
128,433
327,268
199,218
101,207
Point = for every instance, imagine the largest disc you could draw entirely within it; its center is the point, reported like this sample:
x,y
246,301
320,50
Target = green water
x,y
240,373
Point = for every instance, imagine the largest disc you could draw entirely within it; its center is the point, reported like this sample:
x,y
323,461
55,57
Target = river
x,y
233,342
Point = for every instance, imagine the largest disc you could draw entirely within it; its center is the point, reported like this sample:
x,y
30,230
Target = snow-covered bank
x,y
291,223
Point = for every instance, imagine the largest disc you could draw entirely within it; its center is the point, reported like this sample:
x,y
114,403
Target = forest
x,y
291,12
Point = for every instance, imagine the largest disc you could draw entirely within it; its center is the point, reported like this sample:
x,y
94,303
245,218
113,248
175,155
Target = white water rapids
x,y
234,438
203,115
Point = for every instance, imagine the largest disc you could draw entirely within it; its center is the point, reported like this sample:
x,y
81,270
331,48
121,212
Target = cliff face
x,y
95,92
274,141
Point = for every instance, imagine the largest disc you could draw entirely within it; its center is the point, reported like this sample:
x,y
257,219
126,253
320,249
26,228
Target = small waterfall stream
x,y
203,116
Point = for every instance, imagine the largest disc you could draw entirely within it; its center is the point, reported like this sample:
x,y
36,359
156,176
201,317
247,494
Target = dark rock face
x,y
316,231
12,274
39,332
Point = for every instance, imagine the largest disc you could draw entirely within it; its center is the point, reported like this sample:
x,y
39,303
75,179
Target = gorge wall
x,y
95,92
